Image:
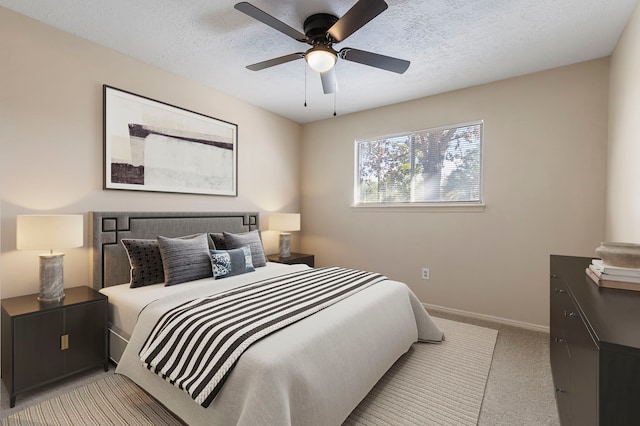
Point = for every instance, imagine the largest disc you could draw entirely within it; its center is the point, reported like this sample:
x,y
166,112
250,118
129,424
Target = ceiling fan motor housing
x,y
316,26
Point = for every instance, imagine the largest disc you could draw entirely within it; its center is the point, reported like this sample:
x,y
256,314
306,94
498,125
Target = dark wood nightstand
x,y
295,258
44,342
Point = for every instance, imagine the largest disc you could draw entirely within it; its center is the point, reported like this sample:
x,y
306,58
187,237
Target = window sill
x,y
419,208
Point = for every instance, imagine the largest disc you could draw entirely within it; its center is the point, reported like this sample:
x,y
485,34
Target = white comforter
x,y
313,372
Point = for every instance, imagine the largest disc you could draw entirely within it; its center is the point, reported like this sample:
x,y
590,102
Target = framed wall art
x,y
153,146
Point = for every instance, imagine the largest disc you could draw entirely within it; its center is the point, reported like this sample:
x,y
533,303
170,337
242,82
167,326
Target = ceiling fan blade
x,y
329,82
275,61
355,18
374,60
269,20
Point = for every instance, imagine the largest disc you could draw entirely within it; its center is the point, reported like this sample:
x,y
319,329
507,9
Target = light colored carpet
x,y
520,388
113,400
440,384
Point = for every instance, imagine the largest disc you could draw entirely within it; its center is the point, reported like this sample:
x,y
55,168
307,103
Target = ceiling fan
x,y
321,31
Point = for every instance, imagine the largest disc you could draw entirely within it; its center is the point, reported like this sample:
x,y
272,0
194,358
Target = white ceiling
x,y
451,44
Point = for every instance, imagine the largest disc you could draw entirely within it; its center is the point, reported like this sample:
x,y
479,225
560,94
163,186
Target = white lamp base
x,y
285,245
51,277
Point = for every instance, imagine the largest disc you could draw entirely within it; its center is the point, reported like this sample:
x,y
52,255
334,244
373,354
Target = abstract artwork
x,y
153,146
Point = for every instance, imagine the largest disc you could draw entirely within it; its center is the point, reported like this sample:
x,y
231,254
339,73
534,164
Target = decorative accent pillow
x,y
145,261
251,239
185,259
217,238
226,263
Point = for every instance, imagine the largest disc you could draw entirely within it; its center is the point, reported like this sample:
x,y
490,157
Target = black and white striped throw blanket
x,y
195,345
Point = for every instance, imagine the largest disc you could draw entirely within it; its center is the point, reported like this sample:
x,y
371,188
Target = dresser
x,y
594,347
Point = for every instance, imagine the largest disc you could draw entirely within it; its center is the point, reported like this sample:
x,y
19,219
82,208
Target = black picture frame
x,y
154,146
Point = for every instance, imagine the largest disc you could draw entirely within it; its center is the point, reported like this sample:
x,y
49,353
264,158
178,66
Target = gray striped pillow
x,y
185,259
251,239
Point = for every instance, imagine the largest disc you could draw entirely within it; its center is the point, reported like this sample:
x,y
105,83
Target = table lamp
x,y
286,222
50,232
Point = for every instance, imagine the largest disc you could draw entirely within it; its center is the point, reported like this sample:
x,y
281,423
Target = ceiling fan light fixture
x,y
321,58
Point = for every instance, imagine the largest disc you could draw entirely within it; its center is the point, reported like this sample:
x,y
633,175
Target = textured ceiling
x,y
451,44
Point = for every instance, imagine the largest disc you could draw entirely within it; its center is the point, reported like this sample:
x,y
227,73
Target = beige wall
x,y
544,171
51,157
623,171
544,189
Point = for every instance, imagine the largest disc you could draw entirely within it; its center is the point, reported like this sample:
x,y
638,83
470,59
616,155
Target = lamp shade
x,y
285,222
49,232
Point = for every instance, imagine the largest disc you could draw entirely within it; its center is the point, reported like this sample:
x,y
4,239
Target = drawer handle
x,y
558,390
570,314
560,290
554,276
558,340
64,342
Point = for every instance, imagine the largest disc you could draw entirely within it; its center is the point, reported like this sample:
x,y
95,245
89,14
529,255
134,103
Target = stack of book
x,y
613,276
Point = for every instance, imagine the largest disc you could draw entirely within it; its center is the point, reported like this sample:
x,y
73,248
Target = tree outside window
x,y
441,165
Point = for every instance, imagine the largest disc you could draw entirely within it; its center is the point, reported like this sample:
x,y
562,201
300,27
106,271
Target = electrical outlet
x,y
425,273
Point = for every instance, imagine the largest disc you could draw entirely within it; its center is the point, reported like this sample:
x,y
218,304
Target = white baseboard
x,y
499,320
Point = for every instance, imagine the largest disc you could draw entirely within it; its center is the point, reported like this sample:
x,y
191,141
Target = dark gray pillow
x,y
185,259
251,239
145,261
226,263
217,239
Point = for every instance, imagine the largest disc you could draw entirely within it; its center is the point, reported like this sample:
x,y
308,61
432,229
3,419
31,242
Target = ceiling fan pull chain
x,y
304,64
334,102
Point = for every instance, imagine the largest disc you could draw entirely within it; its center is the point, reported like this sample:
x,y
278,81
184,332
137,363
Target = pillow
x,y
145,261
185,259
251,239
226,263
217,238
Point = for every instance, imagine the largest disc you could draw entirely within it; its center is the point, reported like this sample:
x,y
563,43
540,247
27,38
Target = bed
x,y
314,371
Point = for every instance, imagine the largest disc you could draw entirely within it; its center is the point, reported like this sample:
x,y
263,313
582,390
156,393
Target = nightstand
x,y
295,258
44,342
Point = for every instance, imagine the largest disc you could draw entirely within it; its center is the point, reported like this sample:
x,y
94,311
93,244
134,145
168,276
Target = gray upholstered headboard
x,y
110,264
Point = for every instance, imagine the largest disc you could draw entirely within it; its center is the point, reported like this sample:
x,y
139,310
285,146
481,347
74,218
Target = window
x,y
432,166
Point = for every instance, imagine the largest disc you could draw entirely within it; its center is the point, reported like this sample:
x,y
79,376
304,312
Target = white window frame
x,y
440,206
